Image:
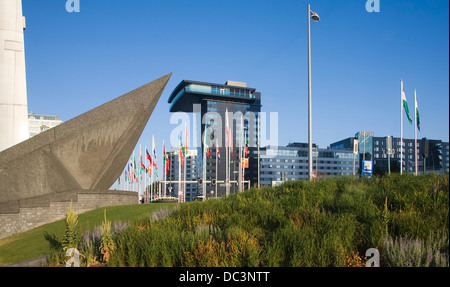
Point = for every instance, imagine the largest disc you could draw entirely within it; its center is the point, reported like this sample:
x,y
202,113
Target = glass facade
x,y
212,101
291,163
220,90
213,113
365,145
432,155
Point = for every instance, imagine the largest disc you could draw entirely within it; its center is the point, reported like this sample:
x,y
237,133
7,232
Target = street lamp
x,y
316,18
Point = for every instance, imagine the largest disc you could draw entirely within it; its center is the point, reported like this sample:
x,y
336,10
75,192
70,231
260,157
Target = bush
x,y
329,222
71,237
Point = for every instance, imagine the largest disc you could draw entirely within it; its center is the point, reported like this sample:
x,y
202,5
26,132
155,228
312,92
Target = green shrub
x,y
328,222
71,237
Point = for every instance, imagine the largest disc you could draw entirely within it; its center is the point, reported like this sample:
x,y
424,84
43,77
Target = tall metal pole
x,y
259,166
228,136
240,155
204,162
145,182
179,174
415,131
310,163
164,169
217,166
401,127
184,171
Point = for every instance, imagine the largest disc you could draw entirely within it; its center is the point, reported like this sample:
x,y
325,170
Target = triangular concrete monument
x,y
86,153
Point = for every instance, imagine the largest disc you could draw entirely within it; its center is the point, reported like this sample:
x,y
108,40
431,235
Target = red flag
x,y
147,156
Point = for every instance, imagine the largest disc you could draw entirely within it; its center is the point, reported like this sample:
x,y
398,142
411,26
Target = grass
x,y
331,222
36,242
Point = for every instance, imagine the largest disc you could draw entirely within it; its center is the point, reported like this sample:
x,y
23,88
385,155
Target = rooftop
x,y
189,92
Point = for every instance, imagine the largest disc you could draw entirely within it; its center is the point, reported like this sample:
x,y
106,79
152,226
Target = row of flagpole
x,y
243,153
404,106
136,175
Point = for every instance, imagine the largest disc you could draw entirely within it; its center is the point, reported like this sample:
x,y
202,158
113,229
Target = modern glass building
x,y
432,155
279,164
174,185
208,102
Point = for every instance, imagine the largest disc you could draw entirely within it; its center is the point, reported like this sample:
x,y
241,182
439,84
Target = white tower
x,y
13,89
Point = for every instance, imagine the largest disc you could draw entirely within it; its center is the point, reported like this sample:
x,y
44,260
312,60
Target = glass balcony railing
x,y
235,92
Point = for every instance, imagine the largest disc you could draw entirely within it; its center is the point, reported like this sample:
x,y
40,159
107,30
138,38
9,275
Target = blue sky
x,y
77,61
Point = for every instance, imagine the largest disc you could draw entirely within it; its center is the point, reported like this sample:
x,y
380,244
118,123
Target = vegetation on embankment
x,y
330,222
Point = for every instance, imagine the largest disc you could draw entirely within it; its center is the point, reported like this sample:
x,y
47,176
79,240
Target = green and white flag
x,y
417,112
405,104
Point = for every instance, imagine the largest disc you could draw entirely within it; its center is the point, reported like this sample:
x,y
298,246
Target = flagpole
x,y
230,147
401,127
134,175
217,146
259,167
309,98
184,183
179,170
415,129
129,175
227,160
140,169
151,181
244,156
185,162
145,185
240,158
164,167
204,162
